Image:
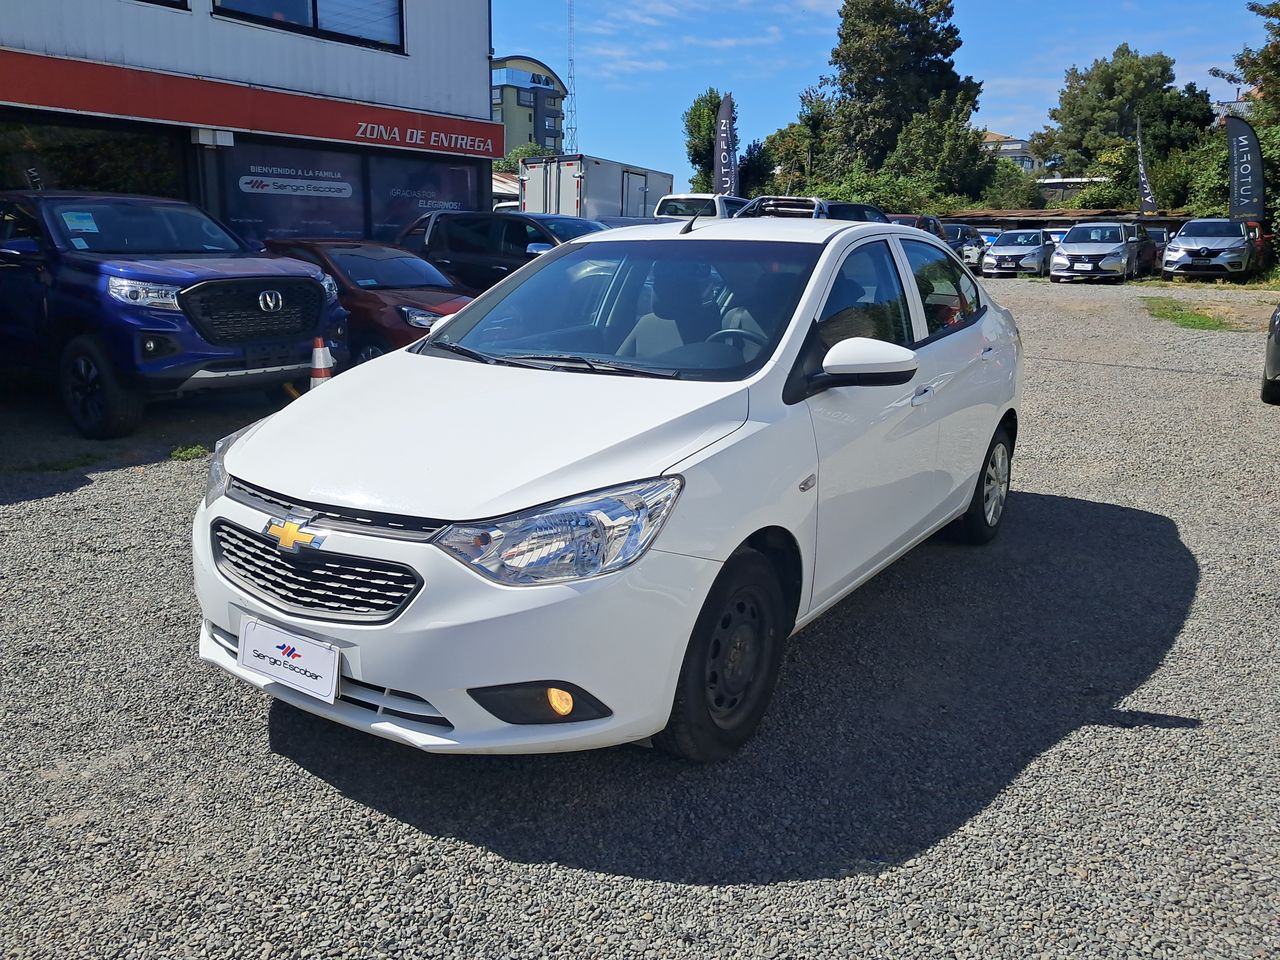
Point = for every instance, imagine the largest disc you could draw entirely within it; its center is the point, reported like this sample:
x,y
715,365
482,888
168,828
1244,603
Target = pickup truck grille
x,y
315,583
237,311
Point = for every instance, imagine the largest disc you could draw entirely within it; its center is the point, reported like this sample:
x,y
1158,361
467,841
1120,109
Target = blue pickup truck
x,y
130,298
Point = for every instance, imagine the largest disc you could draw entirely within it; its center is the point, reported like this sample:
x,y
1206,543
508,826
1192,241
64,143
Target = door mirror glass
x,y
861,361
536,249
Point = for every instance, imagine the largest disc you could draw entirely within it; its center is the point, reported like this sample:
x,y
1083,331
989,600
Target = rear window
x,y
687,207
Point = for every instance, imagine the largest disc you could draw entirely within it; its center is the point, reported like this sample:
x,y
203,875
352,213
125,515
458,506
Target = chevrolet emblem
x,y
290,536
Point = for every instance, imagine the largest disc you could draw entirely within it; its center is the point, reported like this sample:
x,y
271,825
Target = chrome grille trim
x,y
367,523
317,584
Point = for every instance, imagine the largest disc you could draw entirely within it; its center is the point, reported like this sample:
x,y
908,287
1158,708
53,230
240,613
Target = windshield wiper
x,y
449,346
598,366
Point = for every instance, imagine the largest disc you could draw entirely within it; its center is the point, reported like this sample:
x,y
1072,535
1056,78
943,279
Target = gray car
x,y
1016,252
1108,251
1210,248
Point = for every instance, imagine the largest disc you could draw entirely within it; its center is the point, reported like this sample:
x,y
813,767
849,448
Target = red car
x,y
921,222
394,297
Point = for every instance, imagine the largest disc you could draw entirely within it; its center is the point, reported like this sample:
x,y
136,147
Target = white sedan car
x,y
591,507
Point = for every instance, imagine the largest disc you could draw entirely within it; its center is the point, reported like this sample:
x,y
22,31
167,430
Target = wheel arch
x,y
1010,423
780,547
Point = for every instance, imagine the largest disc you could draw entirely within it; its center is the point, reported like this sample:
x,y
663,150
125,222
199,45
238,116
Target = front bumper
x,y
621,638
1099,270
1215,265
1007,270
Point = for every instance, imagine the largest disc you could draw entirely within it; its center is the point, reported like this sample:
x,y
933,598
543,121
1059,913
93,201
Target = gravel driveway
x,y
1062,745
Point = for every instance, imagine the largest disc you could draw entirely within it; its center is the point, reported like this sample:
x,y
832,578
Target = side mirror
x,y
537,249
860,361
19,249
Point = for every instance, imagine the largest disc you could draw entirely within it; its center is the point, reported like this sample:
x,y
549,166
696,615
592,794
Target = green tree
x,y
1011,188
891,192
755,170
789,148
940,144
1099,107
893,58
511,162
1260,69
700,138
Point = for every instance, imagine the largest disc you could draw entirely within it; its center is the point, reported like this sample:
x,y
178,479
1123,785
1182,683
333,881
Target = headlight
x,y
1172,252
1060,260
1116,254
419,318
575,539
162,296
216,485
1031,258
330,287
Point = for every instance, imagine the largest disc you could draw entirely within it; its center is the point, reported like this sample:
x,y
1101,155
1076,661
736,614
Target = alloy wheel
x,y
995,489
86,390
368,352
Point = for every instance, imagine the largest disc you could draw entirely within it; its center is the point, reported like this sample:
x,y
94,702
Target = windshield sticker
x,y
367,283
79,244
80,222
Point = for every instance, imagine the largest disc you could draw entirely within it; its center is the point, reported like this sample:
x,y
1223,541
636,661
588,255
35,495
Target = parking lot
x,y
1060,745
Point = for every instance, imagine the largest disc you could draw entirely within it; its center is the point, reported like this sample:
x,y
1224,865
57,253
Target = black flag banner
x,y
1148,196
1248,186
726,149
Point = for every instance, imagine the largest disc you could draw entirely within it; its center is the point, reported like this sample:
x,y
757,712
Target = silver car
x,y
1210,248
1107,251
1016,252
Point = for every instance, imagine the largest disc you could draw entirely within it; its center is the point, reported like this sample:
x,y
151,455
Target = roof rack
x,y
809,208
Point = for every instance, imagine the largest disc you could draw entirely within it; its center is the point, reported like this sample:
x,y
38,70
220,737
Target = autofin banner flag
x,y
1149,206
1248,187
726,149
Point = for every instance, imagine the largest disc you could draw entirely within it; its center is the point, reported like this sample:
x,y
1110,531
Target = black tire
x,y
976,526
99,403
1271,392
1166,275
744,624
1053,279
368,350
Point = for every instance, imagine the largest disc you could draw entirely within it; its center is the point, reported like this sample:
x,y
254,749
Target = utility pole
x,y
571,101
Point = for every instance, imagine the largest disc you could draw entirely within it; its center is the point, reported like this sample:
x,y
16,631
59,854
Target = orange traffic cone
x,y
321,363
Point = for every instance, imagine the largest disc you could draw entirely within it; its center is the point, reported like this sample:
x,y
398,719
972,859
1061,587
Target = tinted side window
x,y
867,300
467,234
950,297
517,235
17,224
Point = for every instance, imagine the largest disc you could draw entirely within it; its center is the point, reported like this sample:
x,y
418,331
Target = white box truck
x,y
580,186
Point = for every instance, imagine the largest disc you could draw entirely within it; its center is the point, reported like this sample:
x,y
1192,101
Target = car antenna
x,y
688,227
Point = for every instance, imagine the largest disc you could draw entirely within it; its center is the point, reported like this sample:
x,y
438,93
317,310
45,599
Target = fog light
x,y
561,701
149,345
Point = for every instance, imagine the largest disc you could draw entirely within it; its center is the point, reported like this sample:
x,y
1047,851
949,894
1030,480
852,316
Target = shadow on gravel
x,y
42,455
899,716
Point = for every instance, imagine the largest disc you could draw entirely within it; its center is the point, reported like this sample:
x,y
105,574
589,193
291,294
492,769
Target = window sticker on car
x,y
367,283
80,221
79,243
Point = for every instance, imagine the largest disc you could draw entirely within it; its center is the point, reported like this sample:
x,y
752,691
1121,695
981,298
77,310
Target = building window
x,y
524,98
549,143
495,94
372,22
551,124
176,4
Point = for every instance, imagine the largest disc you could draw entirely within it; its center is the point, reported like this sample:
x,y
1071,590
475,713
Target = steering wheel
x,y
757,338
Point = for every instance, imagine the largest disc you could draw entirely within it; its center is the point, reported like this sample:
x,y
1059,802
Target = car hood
x,y
455,440
1014,251
446,301
1090,249
186,270
1209,243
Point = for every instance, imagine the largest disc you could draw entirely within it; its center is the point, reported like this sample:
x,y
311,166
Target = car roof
x,y
82,195
756,229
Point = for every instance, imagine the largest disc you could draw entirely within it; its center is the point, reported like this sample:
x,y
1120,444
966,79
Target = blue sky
x,y
641,62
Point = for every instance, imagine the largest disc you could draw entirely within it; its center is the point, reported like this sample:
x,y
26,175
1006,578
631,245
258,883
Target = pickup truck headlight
x,y
416,317
330,287
139,293
216,485
576,539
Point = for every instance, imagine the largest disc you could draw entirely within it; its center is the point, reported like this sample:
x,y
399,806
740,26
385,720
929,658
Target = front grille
x,y
313,583
1086,257
347,519
230,311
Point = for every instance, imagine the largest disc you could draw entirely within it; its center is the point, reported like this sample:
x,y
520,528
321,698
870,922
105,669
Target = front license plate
x,y
1084,266
306,665
1202,263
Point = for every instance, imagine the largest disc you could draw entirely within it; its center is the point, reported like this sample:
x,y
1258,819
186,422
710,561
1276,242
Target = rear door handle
x,y
923,396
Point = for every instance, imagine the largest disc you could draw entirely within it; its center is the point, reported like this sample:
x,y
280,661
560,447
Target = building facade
x,y
343,118
528,100
1011,148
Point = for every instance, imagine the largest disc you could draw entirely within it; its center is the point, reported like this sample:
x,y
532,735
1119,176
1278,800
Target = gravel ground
x,y
1062,745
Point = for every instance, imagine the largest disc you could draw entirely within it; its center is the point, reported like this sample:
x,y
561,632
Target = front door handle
x,y
988,354
923,396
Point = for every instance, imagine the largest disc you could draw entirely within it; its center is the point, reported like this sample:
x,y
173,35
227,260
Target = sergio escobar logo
x,y
296,188
277,662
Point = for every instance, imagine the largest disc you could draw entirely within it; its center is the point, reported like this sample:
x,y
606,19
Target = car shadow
x,y
900,715
42,454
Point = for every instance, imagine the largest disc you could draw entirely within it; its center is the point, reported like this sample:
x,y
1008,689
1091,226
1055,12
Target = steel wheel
x,y
995,487
734,657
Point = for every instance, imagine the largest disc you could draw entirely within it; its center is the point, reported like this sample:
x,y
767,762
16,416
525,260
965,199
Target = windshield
x,y
953,232
1156,234
386,268
1019,238
570,228
855,211
1212,228
696,309
138,227
906,219
686,207
1094,234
